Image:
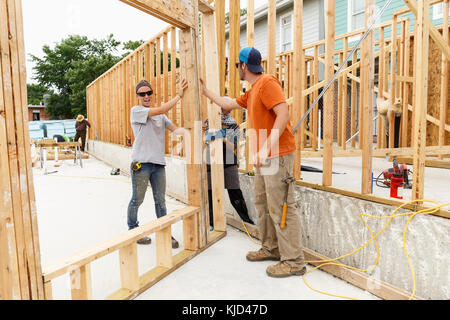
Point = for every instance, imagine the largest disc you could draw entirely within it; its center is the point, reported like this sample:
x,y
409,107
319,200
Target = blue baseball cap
x,y
252,59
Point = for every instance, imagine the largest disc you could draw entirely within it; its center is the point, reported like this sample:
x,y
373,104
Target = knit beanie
x,y
143,83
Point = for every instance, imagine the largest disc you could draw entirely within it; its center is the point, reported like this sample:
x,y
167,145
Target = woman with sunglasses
x,y
149,126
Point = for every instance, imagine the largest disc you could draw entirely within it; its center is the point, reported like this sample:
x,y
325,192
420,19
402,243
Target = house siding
x,y
341,13
313,23
311,27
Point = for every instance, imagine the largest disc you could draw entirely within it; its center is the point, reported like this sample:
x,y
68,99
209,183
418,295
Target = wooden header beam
x,y
204,7
177,13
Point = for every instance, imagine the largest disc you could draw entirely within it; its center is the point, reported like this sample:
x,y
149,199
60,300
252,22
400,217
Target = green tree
x,y
227,15
169,57
36,93
59,107
69,67
130,46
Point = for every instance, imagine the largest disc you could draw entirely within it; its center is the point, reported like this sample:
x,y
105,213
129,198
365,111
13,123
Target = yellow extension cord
x,y
393,215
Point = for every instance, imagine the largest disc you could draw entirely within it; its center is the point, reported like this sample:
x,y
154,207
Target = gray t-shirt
x,y
150,136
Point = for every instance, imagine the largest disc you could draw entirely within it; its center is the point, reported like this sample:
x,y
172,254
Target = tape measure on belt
x,y
136,166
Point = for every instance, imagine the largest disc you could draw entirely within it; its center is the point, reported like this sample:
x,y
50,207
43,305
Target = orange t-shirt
x,y
259,101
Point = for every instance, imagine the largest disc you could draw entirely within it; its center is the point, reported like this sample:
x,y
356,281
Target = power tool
x,y
395,177
213,135
397,170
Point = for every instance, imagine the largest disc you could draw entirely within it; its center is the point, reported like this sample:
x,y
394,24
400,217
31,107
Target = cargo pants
x,y
270,193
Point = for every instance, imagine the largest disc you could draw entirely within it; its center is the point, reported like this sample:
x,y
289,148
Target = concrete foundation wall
x,y
120,157
331,226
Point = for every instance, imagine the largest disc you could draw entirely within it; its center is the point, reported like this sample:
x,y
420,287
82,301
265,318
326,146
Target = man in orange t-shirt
x,y
269,130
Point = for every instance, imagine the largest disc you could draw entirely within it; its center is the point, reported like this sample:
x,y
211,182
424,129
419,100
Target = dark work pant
x,y
237,201
82,135
397,123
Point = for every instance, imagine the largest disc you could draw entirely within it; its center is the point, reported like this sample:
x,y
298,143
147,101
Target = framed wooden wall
x,y
20,264
109,99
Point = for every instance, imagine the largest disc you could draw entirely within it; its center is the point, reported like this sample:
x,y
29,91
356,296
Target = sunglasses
x,y
238,64
143,94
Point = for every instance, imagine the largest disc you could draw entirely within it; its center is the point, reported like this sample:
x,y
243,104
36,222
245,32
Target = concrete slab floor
x,y
348,176
81,207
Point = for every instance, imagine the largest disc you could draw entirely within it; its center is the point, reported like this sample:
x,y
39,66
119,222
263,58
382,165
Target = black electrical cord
x,y
383,185
378,179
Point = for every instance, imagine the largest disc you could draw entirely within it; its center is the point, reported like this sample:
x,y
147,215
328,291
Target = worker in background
x,y
81,129
268,118
230,133
149,126
60,138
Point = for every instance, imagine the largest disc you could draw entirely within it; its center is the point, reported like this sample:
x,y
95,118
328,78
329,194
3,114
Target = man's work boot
x,y
282,270
261,255
175,244
144,240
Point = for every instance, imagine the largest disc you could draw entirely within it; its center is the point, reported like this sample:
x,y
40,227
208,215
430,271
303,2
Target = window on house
x,y
36,115
286,33
438,11
356,14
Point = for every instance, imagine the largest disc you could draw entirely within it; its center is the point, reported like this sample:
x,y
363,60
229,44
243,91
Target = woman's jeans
x,y
156,174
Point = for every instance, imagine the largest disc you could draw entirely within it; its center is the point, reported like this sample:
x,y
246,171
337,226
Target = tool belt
x,y
136,166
